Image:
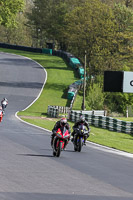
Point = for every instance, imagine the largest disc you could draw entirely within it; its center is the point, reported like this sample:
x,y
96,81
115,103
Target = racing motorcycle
x,y
79,137
60,141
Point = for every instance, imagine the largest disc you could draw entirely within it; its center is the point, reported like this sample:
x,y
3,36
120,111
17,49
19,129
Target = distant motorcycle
x,y
60,141
79,137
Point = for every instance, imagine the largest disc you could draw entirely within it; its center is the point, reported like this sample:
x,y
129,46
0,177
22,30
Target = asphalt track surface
x,y
28,171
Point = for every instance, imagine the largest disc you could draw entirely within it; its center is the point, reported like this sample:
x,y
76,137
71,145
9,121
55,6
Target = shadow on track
x,y
36,155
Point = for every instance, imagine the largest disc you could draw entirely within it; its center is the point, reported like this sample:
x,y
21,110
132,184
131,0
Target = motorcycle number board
x,y
128,82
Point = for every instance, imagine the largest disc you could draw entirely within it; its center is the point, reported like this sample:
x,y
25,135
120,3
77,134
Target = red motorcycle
x,y
60,141
1,114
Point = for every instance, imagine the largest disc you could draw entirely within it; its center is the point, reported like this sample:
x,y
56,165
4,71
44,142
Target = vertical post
x,y
84,86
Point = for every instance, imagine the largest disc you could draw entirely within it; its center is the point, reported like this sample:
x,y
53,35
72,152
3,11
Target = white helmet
x,y
82,119
5,99
63,121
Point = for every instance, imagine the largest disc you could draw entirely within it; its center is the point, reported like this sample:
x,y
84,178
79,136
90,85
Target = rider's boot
x,y
85,138
72,139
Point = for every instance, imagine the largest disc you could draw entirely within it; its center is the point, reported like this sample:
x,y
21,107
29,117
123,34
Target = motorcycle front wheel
x,y
75,143
79,144
54,146
58,151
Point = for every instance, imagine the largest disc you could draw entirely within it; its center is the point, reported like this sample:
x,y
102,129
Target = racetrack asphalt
x,y
28,170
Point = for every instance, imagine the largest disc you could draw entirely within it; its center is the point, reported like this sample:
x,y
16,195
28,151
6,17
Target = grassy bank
x,y
60,77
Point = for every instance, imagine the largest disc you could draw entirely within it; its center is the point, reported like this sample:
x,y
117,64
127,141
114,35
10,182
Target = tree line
x,y
102,28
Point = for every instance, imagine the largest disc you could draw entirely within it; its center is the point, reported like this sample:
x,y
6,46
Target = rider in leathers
x,y
81,121
4,104
60,124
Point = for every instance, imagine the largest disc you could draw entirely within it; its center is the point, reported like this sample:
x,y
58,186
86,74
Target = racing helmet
x,y
82,119
63,121
4,99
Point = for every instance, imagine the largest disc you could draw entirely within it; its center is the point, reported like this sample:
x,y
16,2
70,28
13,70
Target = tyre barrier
x,y
95,118
76,65
54,111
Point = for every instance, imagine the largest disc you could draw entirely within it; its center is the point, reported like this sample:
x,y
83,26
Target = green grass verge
x,y
59,78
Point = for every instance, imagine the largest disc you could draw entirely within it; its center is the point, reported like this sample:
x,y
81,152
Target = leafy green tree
x,y
127,3
95,97
18,34
124,20
106,34
91,26
9,10
47,21
57,24
118,101
39,20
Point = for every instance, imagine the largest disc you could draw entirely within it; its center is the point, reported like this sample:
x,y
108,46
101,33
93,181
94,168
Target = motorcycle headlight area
x,y
59,135
66,136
